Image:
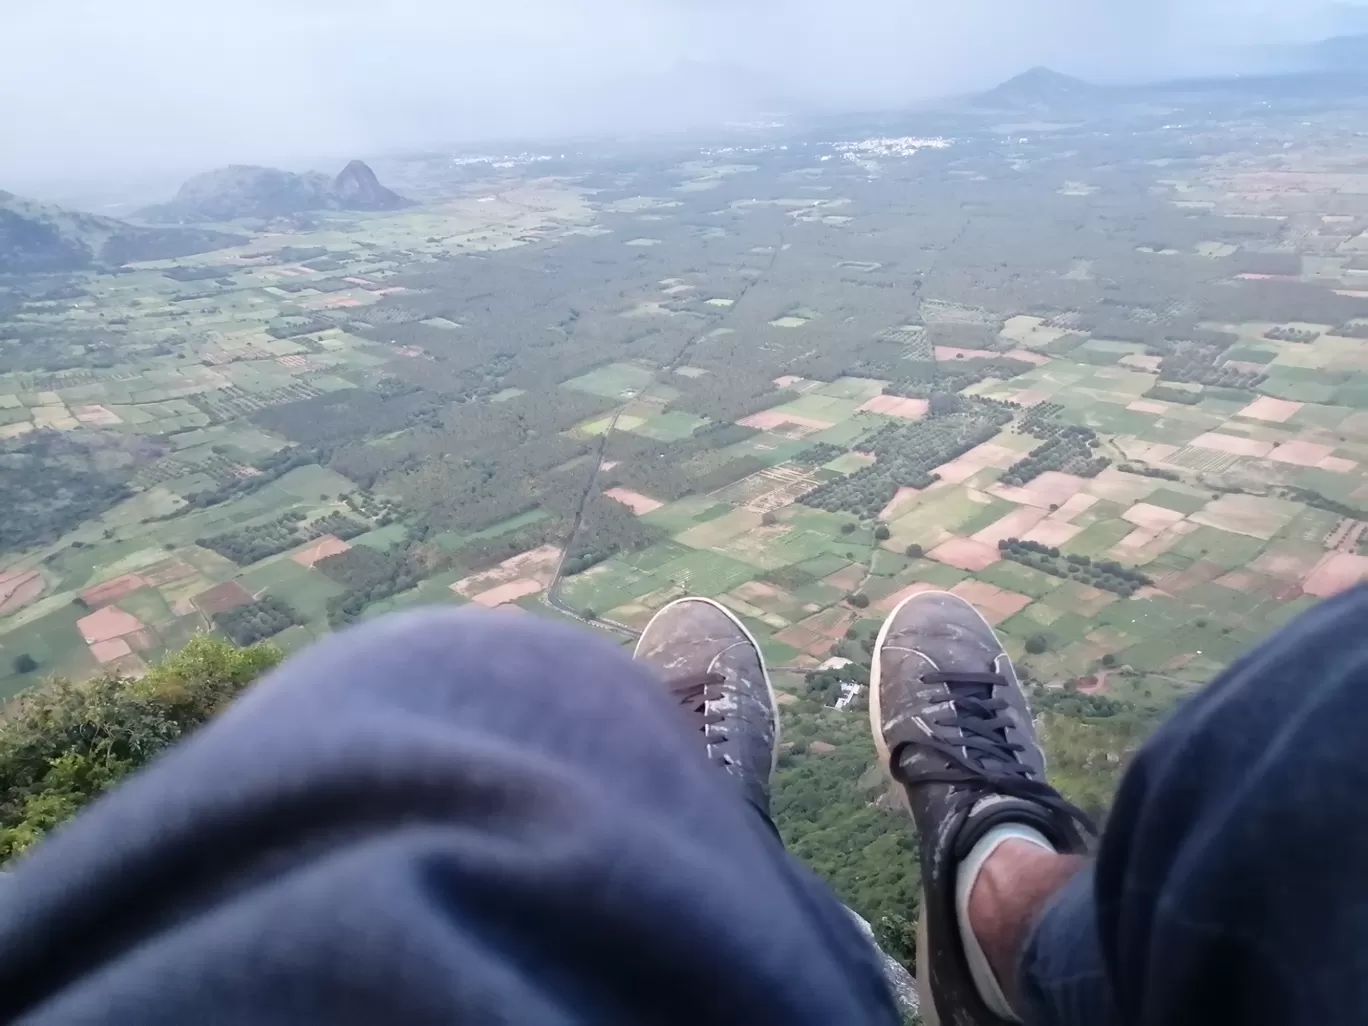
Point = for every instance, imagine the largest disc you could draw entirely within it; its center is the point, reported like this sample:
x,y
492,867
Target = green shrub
x,y
63,744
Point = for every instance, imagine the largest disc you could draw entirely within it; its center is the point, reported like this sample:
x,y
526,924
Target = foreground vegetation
x,y
64,744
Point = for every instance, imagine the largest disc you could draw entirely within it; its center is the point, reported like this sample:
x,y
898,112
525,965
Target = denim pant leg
x,y
1232,881
444,817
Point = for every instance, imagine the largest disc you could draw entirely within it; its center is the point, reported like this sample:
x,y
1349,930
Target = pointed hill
x,y
357,188
1042,89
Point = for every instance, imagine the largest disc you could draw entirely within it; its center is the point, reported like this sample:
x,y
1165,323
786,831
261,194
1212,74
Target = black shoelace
x,y
980,755
693,693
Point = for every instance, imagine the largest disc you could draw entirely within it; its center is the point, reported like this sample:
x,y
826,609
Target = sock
x,y
965,877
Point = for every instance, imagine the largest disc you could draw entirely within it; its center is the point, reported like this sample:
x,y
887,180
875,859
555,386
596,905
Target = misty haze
x,y
313,312
153,88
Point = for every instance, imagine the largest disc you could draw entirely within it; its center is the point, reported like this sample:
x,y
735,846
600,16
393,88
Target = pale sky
x,y
127,87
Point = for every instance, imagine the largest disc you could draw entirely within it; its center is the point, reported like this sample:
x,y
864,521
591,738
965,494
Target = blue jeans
x,y
1232,881
454,817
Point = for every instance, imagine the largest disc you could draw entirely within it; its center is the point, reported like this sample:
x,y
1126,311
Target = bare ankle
x,y
1013,887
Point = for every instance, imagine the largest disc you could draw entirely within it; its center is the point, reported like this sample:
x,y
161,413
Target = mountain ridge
x,y
43,238
248,191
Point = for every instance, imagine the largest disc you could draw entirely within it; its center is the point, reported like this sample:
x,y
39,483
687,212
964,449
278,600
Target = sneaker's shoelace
x,y
693,693
980,754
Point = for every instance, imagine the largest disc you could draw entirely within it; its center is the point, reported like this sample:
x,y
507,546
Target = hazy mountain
x,y
243,191
357,188
1342,54
1042,90
39,237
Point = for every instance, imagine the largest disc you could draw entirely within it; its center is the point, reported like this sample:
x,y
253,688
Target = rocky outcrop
x,y
244,192
357,188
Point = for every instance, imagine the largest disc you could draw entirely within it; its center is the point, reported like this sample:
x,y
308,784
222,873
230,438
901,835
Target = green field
x,y
384,367
614,381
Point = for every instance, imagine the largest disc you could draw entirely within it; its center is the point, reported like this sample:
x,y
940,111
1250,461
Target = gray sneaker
x,y
713,669
952,726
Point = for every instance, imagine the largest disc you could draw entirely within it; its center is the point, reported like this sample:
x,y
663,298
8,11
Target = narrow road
x,y
552,594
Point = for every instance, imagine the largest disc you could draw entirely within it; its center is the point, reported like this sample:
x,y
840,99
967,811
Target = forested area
x,y
480,463
828,808
256,542
1066,447
671,470
53,481
605,529
371,576
1199,363
923,380
64,744
815,456
906,454
264,618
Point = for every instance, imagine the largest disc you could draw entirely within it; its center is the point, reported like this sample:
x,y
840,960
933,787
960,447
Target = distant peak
x,y
1040,71
1041,87
358,188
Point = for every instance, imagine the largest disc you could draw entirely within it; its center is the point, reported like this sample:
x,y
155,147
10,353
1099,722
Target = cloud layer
x,y
91,87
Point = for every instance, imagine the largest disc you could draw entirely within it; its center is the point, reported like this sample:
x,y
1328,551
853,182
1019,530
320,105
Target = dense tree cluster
x,y
257,621
822,452
1292,334
1067,447
905,456
337,417
1195,362
1104,574
672,470
1171,394
291,327
922,380
825,685
728,398
1144,471
606,528
248,545
53,481
370,576
1077,705
483,553
378,510
1311,497
483,462
1353,329
826,810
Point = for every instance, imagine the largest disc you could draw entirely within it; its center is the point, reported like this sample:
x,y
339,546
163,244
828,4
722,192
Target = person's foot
x,y
953,728
713,669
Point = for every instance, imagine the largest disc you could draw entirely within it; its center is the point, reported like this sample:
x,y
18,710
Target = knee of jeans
x,y
478,646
